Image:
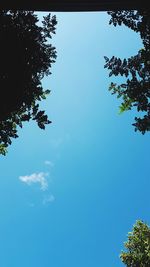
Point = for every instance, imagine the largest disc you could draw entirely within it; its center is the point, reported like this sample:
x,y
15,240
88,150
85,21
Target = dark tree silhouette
x,y
25,58
73,5
135,92
137,253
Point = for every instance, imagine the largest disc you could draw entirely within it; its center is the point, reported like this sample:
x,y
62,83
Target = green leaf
x,y
3,149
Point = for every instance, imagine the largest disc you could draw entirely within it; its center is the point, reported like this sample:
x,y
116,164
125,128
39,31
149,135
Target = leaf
x,y
47,92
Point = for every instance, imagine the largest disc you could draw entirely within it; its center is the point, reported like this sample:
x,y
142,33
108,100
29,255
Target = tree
x,y
135,91
26,57
137,252
73,5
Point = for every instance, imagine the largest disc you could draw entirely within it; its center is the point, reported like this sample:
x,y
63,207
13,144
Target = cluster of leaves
x,y
136,69
137,252
26,57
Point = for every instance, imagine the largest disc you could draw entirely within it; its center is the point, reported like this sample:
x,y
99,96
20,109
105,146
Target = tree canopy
x,y
135,91
137,252
26,57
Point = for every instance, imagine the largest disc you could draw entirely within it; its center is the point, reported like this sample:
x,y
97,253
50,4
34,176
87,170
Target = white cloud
x,y
48,162
48,199
36,178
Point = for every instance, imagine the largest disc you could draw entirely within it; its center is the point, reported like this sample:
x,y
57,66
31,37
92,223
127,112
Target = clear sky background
x,y
70,194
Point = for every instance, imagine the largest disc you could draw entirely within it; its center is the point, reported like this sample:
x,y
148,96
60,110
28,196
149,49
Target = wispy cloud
x,y
36,178
48,162
31,205
48,199
56,142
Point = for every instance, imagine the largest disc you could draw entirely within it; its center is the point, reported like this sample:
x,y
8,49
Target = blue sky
x,y
70,194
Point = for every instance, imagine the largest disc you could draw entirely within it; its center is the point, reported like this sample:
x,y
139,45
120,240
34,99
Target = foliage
x,y
135,92
137,252
26,57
